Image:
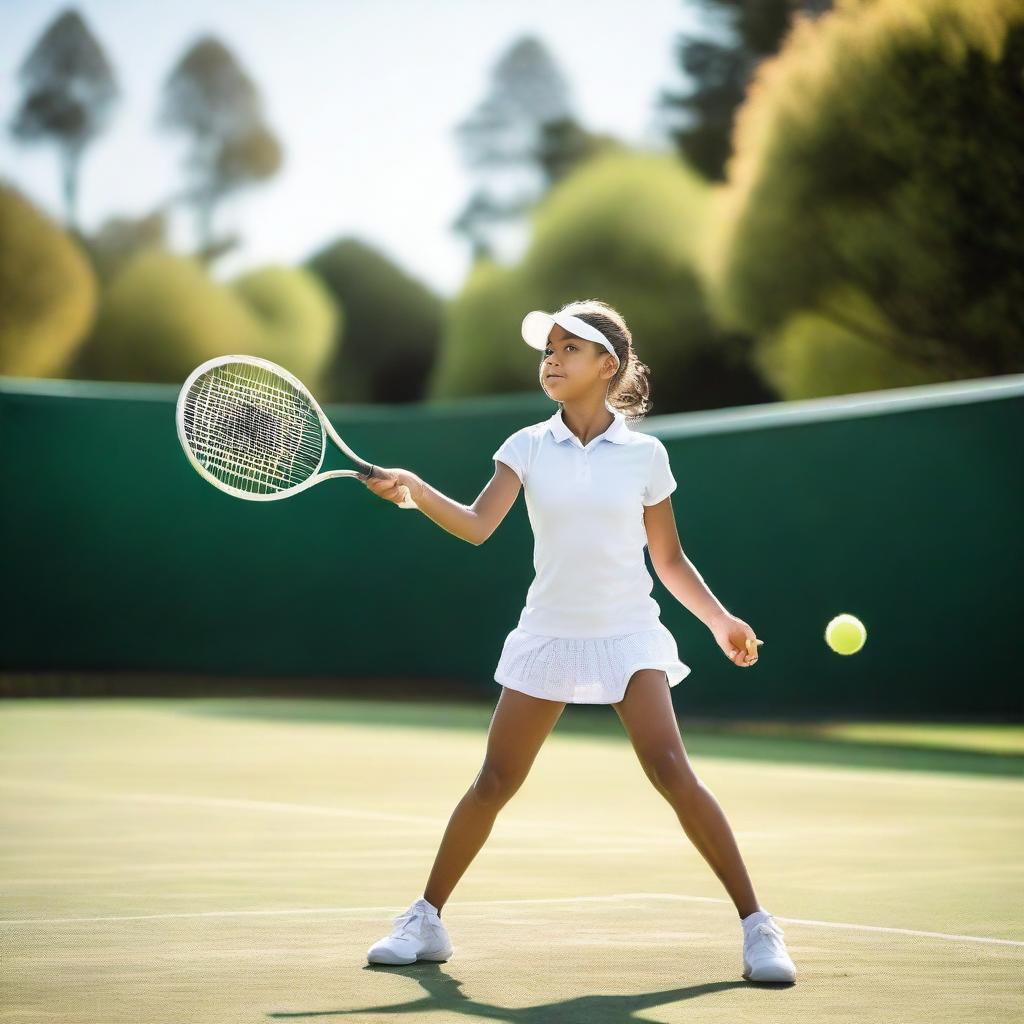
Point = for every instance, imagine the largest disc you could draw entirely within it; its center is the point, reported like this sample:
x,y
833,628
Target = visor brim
x,y
536,329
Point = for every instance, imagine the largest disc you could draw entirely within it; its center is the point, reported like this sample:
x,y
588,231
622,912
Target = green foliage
x,y
252,155
388,337
565,144
69,94
296,316
212,99
813,356
518,141
163,315
47,291
717,64
882,151
624,228
483,351
114,244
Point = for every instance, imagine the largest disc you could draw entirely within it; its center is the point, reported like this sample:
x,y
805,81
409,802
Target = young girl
x,y
589,633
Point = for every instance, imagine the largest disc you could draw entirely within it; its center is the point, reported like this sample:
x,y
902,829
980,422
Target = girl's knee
x,y
673,776
494,786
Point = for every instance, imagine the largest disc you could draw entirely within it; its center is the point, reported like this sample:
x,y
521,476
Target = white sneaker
x,y
764,953
418,935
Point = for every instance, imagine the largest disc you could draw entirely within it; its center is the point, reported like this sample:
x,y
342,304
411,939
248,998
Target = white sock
x,y
429,904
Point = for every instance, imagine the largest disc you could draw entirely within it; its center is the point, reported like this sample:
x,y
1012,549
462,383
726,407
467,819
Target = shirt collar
x,y
617,432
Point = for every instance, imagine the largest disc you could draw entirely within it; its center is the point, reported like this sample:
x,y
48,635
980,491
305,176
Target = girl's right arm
x,y
473,523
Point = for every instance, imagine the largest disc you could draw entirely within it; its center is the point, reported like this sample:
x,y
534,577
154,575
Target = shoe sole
x,y
396,961
789,979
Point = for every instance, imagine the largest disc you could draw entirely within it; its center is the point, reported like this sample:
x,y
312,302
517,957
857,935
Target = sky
x,y
364,96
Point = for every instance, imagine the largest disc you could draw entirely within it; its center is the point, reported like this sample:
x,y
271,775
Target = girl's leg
x,y
519,726
646,712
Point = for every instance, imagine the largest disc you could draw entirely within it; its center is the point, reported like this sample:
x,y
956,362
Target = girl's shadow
x,y
443,992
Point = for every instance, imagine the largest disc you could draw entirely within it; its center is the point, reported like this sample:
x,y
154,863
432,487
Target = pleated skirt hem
x,y
585,670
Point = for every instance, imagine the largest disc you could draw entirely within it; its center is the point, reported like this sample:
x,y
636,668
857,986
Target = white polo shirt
x,y
585,504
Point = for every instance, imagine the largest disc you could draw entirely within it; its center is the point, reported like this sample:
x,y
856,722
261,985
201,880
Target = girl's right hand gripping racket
x,y
252,429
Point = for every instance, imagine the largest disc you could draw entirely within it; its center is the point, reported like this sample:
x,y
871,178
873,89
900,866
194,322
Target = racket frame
x,y
328,430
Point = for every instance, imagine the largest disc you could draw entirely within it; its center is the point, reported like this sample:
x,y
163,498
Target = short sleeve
x,y
660,481
513,452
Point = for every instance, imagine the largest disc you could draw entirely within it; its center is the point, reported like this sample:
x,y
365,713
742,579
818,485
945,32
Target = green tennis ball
x,y
845,634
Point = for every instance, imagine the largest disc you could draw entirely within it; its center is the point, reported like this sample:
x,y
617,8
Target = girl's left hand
x,y
736,639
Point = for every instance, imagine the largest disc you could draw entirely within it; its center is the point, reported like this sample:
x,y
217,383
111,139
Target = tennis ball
x,y
845,634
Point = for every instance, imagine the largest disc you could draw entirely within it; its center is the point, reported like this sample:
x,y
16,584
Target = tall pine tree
x,y
719,63
211,98
68,95
517,142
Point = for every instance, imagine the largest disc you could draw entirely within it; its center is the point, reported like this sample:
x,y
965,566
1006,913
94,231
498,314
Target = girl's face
x,y
573,368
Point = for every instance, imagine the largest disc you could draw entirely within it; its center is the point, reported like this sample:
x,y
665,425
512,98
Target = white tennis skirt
x,y
585,670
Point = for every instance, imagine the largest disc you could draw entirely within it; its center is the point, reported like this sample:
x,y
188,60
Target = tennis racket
x,y
252,429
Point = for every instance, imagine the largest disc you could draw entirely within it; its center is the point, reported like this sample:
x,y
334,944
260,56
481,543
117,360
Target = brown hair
x,y
629,390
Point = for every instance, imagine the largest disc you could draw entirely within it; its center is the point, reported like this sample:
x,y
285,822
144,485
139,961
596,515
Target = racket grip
x,y
406,501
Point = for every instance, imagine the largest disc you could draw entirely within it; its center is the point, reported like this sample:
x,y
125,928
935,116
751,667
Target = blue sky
x,y
332,74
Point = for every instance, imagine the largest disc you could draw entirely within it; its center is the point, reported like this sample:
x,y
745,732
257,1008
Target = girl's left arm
x,y
687,586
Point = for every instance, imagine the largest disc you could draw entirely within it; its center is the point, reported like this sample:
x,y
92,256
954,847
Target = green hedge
x,y
163,315
880,151
388,335
624,228
47,291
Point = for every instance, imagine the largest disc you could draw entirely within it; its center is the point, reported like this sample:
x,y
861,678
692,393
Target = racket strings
x,y
251,431
240,448
261,436
287,401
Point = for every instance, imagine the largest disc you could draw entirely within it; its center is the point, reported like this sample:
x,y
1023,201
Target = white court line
x,y
505,824
496,903
799,770
238,802
502,825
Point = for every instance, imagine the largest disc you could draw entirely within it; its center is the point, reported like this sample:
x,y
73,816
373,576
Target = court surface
x,y
232,860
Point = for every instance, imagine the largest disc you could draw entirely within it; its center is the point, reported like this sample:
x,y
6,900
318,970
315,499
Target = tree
x,y
518,141
473,223
211,98
120,238
563,144
879,166
69,93
162,314
626,227
720,64
388,328
48,291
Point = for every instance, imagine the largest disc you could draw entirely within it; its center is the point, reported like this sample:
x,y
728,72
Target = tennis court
x,y
233,859
635,338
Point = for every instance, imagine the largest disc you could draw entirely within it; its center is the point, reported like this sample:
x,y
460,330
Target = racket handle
x,y
406,501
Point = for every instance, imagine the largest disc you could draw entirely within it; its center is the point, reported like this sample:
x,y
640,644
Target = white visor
x,y
537,326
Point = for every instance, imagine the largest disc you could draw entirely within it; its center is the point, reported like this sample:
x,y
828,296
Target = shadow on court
x,y
443,992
